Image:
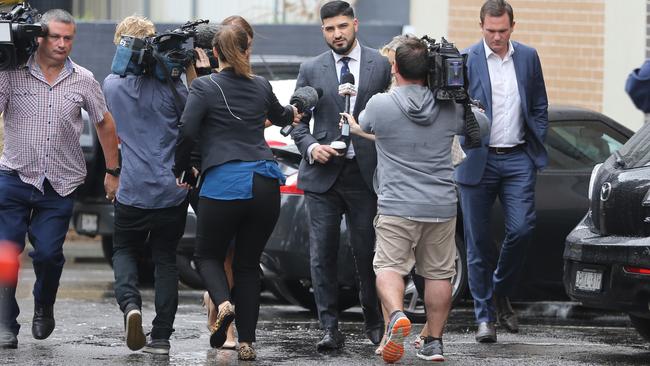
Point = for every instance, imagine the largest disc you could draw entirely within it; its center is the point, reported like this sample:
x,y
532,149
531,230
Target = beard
x,y
345,49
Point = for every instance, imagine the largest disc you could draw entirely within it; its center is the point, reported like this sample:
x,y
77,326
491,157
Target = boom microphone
x,y
204,35
303,99
203,39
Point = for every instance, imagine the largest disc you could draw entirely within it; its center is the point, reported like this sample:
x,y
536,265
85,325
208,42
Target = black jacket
x,y
227,113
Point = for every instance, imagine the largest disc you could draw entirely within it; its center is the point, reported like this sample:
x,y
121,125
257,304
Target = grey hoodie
x,y
414,132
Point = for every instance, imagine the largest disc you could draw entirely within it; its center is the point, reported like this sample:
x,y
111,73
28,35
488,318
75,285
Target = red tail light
x,y
637,270
291,186
273,143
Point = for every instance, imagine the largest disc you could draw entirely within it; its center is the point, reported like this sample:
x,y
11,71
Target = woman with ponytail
x,y
240,193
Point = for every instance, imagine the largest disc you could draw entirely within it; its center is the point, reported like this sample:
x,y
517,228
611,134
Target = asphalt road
x,y
89,331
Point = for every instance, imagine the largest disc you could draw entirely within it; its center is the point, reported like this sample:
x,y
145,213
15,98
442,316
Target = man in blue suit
x,y
506,77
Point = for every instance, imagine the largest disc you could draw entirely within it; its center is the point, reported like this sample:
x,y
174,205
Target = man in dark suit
x,y
507,79
337,183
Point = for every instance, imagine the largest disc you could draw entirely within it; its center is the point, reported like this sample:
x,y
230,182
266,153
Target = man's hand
x,y
109,141
202,60
110,186
195,173
296,116
323,153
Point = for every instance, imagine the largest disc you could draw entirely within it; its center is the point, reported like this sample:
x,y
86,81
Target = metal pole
x,y
147,8
276,5
195,9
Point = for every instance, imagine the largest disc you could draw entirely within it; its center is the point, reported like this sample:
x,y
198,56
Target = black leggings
x,y
250,222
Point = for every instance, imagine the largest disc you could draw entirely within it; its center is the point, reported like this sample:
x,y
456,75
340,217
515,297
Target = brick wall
x,y
568,34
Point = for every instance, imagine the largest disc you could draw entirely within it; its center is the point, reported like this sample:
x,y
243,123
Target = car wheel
x,y
145,265
642,325
414,303
187,271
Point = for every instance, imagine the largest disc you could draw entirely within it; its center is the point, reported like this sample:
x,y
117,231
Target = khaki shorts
x,y
403,243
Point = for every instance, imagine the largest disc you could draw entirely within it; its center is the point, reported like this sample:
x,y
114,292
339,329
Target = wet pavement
x,y
89,331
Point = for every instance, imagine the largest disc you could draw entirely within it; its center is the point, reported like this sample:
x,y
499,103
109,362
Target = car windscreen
x,y
636,151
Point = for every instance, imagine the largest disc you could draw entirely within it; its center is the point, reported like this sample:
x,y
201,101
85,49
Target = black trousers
x,y
163,228
350,196
251,223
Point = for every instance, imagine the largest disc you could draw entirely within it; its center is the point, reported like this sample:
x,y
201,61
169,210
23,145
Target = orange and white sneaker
x,y
398,329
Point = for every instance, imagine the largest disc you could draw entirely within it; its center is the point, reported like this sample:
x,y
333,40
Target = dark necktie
x,y
345,69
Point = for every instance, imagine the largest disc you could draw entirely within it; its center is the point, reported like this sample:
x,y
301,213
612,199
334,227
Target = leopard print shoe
x,y
246,353
220,328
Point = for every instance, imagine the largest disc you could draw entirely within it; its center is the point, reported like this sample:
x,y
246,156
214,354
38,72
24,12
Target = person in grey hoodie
x,y
416,219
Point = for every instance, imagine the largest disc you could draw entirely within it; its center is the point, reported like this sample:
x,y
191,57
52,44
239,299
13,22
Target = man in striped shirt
x,y
42,163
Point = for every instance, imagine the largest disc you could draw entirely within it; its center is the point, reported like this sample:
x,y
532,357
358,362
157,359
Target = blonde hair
x,y
135,26
231,44
395,42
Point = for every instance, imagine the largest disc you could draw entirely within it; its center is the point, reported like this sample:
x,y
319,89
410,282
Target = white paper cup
x,y
338,146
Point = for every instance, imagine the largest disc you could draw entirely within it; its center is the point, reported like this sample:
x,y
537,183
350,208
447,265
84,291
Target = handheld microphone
x,y
347,90
303,99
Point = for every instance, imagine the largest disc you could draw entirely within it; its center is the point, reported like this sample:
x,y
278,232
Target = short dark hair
x,y
336,8
411,59
496,8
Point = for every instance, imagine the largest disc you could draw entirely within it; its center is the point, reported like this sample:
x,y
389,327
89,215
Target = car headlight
x,y
592,179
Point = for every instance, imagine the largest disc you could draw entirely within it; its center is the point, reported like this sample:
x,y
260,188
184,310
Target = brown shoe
x,y
246,353
219,330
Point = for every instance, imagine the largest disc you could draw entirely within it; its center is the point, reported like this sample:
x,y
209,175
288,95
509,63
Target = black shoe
x,y
157,347
506,315
332,339
219,330
8,340
134,335
43,321
375,334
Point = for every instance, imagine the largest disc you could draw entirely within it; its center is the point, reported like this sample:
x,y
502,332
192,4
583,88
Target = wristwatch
x,y
114,172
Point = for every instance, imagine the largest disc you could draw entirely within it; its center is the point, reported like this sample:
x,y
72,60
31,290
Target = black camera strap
x,y
472,128
178,103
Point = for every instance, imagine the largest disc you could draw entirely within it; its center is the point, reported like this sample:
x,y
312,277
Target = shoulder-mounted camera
x,y
162,55
446,77
18,31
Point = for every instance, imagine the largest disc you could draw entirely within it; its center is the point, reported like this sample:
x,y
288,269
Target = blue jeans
x,y
45,217
511,177
164,228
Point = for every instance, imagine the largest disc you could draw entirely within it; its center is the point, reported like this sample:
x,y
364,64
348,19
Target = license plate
x,y
88,223
589,280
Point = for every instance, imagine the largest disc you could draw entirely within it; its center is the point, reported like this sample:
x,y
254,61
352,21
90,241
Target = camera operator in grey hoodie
x,y
416,219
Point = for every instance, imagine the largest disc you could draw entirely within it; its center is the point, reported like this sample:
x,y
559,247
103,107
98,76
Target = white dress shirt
x,y
507,119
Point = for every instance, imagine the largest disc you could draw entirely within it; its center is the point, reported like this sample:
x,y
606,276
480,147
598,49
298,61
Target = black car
x,y
607,256
577,140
